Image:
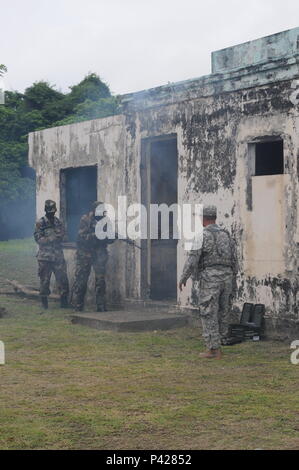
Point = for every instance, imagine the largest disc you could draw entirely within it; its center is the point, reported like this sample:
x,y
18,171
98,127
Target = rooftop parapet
x,y
271,59
277,46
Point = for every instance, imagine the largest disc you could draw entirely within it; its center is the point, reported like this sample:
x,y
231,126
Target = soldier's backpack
x,y
222,250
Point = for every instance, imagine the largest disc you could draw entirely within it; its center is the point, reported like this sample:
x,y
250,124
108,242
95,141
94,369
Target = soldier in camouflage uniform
x,y
49,234
215,263
91,252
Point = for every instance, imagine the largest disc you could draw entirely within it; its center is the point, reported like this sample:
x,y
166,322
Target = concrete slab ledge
x,y
130,321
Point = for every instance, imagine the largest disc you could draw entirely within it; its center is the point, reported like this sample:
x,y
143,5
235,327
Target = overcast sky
x,y
131,44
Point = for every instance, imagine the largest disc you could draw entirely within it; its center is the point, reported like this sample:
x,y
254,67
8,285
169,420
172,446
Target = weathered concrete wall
x,y
213,135
98,142
269,48
267,211
217,119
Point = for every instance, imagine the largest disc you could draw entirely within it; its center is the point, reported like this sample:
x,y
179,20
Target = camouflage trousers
x,y
45,270
84,263
215,302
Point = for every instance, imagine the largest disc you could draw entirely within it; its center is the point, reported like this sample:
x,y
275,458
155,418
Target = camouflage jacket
x,y
87,239
49,237
218,251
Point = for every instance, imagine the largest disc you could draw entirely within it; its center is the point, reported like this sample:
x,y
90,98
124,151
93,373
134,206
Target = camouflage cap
x,y
50,206
95,204
210,211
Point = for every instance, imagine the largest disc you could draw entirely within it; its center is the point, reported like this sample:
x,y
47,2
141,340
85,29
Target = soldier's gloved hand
x,y
59,234
181,284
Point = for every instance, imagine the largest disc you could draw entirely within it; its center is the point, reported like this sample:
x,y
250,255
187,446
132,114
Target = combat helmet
x,y
101,212
95,204
210,212
50,206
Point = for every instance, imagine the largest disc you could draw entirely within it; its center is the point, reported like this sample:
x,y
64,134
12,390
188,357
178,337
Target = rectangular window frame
x,y
63,198
252,154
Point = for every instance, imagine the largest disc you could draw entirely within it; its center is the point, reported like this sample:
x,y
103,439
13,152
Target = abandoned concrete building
x,y
230,138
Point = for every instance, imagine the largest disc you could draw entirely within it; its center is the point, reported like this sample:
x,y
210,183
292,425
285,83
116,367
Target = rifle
x,y
129,242
125,240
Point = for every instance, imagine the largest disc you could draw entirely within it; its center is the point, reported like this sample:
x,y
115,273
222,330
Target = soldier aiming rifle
x,y
92,252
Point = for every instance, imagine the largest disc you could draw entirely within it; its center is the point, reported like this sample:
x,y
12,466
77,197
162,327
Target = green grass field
x,y
67,386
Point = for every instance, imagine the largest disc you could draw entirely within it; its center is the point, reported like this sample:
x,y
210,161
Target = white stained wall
x,y
264,253
98,142
266,233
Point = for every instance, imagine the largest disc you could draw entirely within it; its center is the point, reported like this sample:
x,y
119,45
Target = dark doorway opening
x,y
159,186
269,158
78,188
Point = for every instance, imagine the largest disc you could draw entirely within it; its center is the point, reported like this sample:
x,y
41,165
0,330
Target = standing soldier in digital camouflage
x,y
215,264
49,234
91,252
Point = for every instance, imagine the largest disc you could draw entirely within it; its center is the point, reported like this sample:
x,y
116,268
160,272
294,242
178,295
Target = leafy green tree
x,y
40,95
92,110
14,100
3,69
90,88
90,99
39,107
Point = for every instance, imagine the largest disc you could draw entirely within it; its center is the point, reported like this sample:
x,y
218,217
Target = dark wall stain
x,y
131,124
284,292
209,130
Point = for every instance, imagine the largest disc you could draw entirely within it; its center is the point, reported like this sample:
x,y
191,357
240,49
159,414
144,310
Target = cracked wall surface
x,y
98,142
217,119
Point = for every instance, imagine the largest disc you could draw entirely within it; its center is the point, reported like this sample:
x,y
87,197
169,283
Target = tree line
x,y
39,107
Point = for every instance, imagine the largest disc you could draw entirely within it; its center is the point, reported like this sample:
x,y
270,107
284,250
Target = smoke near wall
x,y
17,217
41,106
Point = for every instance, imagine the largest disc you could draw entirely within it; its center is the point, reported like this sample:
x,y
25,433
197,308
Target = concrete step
x,y
155,305
134,320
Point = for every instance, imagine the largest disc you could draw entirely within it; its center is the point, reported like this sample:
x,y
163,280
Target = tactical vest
x,y
49,228
50,251
219,252
95,243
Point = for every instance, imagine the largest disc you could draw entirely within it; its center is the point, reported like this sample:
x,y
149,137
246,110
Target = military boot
x,y
64,301
211,354
217,353
101,294
44,300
